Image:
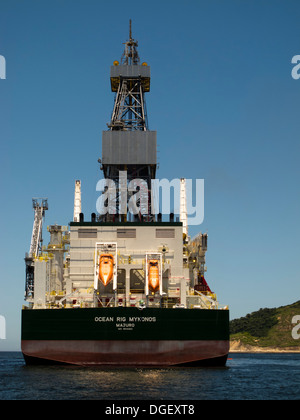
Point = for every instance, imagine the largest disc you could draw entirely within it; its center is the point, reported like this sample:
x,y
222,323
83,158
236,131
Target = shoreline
x,y
238,347
235,347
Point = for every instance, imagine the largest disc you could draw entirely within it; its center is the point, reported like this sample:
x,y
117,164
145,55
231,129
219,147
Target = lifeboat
x,y
153,275
106,268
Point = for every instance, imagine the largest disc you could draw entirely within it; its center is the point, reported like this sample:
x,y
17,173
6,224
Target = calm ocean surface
x,y
247,376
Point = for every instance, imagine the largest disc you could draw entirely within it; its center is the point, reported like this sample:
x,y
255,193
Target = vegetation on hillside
x,y
256,324
267,327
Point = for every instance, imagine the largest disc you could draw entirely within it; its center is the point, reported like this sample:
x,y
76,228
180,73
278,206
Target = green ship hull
x,y
126,336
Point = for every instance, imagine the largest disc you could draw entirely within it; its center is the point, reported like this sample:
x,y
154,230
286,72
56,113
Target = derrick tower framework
x,y
128,145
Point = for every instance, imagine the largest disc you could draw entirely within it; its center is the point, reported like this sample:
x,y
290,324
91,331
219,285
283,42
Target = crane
x,y
40,205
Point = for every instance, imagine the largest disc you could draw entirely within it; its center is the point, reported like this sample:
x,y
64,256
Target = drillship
x,y
124,288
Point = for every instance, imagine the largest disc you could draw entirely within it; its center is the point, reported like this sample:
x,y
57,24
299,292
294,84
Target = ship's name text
x,y
124,319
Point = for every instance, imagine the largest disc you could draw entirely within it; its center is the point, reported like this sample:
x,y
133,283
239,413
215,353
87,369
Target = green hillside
x,y
267,328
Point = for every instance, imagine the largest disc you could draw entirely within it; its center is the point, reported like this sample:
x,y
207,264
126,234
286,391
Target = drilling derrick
x,y
128,146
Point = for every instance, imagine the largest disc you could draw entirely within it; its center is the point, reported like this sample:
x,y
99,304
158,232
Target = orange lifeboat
x,y
153,275
106,268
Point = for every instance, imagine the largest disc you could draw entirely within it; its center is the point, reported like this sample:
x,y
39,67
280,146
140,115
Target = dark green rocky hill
x,y
266,329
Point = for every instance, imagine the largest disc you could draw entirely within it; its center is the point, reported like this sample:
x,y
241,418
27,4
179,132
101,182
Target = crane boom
x,y
40,205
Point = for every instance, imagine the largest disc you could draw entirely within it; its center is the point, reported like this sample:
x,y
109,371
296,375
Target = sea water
x,y
246,377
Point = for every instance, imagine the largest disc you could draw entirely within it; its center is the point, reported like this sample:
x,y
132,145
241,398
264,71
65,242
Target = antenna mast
x,y
130,55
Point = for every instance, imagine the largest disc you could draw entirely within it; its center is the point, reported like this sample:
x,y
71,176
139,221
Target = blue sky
x,y
222,100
